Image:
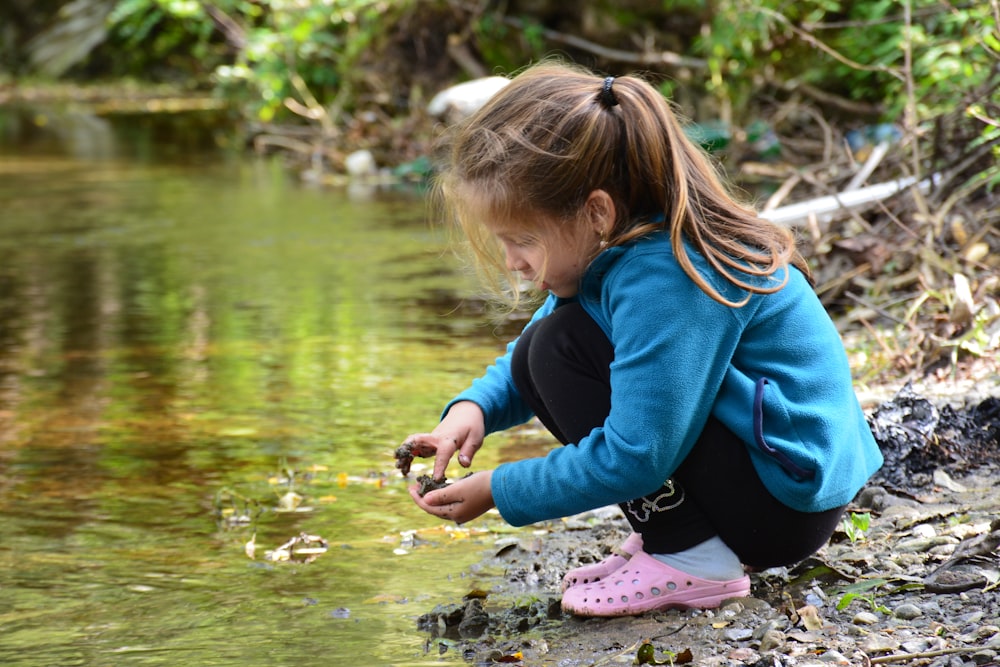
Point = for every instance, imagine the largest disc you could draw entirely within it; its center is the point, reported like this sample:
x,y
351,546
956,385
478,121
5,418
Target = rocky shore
x,y
911,578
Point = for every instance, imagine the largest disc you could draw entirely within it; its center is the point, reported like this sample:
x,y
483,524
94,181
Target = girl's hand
x,y
461,501
462,430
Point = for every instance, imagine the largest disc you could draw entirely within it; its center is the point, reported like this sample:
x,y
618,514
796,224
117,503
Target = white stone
x,y
464,99
360,163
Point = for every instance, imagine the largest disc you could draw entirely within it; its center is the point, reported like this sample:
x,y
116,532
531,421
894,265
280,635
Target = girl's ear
x,y
601,211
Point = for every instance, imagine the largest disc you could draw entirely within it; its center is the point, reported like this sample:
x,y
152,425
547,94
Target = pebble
x,y
864,618
907,611
984,657
738,634
360,163
879,643
835,657
772,639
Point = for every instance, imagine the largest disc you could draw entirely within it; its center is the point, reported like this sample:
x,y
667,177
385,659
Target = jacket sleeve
x,y
495,392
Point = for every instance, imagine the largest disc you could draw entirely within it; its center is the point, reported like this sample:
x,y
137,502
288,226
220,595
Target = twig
x,y
906,657
867,304
866,170
845,278
265,140
458,51
230,28
617,55
781,193
833,53
842,103
314,110
911,95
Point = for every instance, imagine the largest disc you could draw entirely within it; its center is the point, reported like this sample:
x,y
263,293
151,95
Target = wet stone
x,y
474,621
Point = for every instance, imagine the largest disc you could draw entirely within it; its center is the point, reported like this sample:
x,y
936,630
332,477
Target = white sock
x,y
712,559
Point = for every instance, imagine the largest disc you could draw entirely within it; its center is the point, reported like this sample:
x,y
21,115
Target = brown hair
x,y
557,132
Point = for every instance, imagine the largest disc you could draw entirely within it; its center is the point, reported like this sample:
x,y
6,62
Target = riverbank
x,y
910,578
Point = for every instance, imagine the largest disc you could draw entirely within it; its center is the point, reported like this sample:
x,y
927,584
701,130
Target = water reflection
x,y
175,323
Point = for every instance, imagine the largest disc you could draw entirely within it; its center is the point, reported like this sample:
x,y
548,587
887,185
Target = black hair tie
x,y
607,95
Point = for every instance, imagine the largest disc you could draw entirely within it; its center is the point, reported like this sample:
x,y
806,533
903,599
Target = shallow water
x,y
188,336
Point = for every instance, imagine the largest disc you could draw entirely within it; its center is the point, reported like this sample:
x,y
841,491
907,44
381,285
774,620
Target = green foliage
x,y
866,591
646,655
953,45
505,48
315,43
856,49
853,48
156,33
856,525
279,49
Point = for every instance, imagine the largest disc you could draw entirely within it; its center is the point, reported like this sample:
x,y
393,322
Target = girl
x,y
680,353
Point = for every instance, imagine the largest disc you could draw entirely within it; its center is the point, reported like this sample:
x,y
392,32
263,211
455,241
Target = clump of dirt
x,y
917,437
405,452
428,483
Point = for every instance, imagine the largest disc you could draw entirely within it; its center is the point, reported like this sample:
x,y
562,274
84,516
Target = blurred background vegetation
x,y
724,59
792,96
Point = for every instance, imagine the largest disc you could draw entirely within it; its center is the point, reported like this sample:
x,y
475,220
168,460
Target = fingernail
x,y
463,459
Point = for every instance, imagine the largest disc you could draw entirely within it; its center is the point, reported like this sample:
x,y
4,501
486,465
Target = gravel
x,y
911,578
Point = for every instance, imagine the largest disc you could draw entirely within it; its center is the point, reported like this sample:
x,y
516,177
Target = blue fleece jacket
x,y
774,371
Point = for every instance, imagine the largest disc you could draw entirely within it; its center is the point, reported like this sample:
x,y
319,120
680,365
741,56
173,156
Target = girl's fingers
x,y
446,450
468,451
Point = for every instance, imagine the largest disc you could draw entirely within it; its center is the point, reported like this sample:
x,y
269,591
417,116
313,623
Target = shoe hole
x,y
624,599
671,586
635,582
611,600
655,590
638,596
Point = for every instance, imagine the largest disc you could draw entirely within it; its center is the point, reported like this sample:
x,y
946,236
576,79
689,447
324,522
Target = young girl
x,y
681,353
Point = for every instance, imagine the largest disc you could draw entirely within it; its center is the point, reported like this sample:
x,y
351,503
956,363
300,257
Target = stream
x,y
203,358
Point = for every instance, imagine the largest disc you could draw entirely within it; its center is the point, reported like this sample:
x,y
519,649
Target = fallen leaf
x,y
289,502
809,615
513,657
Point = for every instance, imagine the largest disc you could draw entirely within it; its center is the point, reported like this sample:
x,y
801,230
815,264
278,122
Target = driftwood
x,y
824,209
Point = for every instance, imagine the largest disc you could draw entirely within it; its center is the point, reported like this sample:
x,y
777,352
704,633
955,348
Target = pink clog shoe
x,y
590,574
646,584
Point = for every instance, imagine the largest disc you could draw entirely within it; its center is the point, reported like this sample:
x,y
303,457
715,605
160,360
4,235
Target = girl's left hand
x,y
460,501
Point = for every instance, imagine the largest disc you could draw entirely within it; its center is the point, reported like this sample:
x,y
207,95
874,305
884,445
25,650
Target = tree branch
x,y
617,55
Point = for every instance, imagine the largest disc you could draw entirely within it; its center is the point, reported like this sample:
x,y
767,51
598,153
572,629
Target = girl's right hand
x,y
462,430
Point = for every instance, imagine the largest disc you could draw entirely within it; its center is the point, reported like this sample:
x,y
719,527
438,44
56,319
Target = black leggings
x,y
561,366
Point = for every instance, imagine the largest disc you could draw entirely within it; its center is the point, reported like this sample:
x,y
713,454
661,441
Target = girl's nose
x,y
513,260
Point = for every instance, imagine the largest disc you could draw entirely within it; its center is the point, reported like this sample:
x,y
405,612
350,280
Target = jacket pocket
x,y
791,467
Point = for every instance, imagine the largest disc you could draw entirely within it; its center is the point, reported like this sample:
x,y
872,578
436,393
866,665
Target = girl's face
x,y
552,259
